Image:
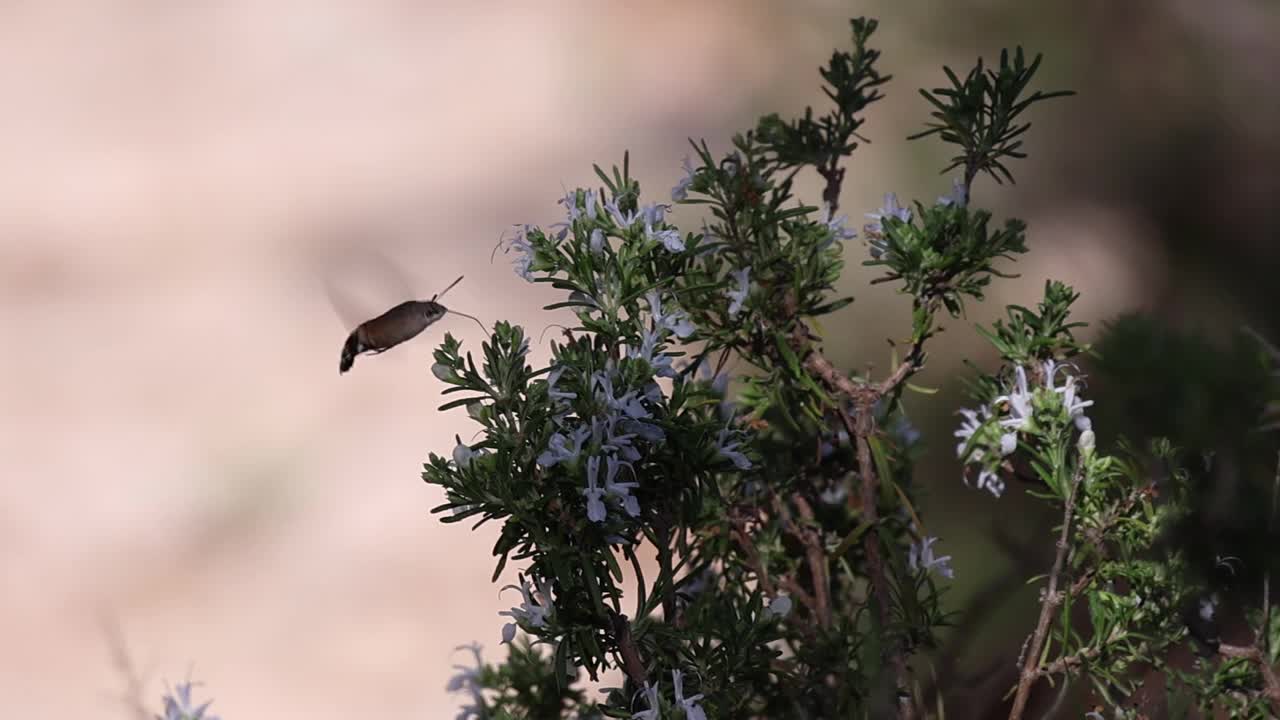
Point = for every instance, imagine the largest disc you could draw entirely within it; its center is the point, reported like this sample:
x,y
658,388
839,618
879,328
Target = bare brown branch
x,y
1048,606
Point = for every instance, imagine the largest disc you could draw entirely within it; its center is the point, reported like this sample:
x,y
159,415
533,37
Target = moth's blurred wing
x,y
361,283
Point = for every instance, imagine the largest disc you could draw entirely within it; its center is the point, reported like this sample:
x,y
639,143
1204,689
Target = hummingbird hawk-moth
x,y
397,325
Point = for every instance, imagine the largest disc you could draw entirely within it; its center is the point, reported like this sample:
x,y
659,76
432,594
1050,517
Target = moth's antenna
x,y
442,292
477,320
545,329
501,236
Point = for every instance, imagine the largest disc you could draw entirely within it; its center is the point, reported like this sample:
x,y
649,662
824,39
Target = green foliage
x,y
980,115
794,577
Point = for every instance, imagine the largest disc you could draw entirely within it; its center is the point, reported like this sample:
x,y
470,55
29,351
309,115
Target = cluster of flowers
x,y
692,710
878,245
990,433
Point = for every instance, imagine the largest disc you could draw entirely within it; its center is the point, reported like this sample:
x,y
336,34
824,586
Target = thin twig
x,y
1052,598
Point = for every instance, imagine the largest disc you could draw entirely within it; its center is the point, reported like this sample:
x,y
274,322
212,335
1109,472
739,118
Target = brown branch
x,y
1265,643
1270,682
817,557
757,566
1052,598
632,664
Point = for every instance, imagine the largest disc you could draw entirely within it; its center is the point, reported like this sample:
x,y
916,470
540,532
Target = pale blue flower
x,y
739,296
669,237
621,490
468,678
178,706
552,379
589,202
562,448
648,352
532,611
597,241
622,219
692,711
958,196
596,511
462,454
681,190
570,203
920,557
729,450
524,253
676,321
891,209
651,698
836,224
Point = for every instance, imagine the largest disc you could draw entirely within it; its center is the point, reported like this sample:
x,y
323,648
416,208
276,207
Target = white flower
x,y
596,511
177,705
973,421
1019,400
779,606
989,481
1008,443
836,224
1071,401
891,209
689,704
651,697
957,196
681,189
532,611
920,556
739,296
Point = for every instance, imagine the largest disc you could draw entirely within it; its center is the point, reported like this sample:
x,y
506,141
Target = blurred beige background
x,y
179,457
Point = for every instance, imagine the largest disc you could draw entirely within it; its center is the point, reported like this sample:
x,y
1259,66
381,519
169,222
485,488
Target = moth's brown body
x,y
402,322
